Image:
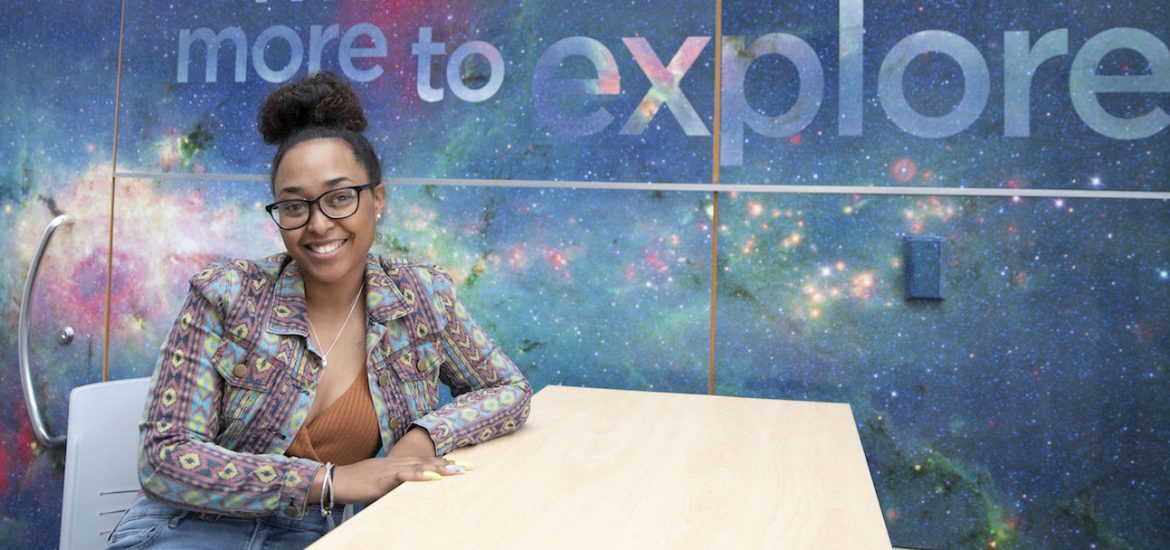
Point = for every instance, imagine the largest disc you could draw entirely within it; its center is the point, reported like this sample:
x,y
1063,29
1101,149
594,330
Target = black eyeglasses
x,y
336,204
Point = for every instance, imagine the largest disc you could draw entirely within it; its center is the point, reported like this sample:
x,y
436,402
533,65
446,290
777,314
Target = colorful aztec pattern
x,y
237,376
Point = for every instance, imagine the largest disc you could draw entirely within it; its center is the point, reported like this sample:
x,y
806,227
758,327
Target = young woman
x,y
294,385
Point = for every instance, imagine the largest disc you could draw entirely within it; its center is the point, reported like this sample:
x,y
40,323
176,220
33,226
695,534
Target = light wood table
x,y
598,468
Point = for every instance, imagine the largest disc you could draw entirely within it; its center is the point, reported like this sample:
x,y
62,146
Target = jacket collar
x,y
384,302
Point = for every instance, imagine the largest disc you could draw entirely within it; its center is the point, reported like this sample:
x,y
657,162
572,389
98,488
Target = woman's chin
x,y
334,270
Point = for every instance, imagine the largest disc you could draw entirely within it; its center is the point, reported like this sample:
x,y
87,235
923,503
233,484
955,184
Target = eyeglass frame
x,y
317,201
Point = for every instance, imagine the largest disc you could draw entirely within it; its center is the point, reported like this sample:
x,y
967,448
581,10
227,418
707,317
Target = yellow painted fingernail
x,y
433,476
464,464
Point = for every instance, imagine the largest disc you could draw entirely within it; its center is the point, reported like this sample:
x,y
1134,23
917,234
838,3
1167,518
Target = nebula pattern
x,y
1025,410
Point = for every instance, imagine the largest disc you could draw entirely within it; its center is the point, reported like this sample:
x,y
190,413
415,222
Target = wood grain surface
x,y
596,468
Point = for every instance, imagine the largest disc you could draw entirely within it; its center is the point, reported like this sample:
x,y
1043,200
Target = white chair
x,y
101,460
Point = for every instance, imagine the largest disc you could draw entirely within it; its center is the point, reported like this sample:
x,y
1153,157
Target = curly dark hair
x,y
318,106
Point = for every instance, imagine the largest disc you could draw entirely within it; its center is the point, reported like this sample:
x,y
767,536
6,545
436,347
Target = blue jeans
x,y
150,524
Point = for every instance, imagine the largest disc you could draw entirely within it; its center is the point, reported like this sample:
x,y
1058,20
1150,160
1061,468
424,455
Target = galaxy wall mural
x,y
537,151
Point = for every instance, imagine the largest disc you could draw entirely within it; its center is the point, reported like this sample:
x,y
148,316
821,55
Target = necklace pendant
x,y
313,330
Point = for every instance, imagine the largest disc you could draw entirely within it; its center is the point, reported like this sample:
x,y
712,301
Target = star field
x,y
1025,410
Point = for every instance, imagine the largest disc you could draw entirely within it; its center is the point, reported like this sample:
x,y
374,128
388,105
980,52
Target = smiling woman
x,y
308,380
330,249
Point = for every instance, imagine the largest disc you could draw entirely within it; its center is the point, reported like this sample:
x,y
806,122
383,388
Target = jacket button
x,y
383,380
422,365
240,371
394,423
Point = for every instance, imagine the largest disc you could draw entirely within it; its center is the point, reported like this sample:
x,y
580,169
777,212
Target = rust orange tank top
x,y
345,432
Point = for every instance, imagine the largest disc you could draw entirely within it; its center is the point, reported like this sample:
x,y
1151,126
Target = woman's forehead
x,y
315,166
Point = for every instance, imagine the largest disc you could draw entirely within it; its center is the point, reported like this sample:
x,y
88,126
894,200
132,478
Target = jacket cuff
x,y
442,434
294,491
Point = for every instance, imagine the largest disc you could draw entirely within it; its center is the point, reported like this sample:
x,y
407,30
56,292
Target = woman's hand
x,y
412,458
369,480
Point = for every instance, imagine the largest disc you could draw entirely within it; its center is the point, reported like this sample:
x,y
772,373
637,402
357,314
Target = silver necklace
x,y
325,357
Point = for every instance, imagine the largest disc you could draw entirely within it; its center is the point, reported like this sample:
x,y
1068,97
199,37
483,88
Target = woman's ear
x,y
379,193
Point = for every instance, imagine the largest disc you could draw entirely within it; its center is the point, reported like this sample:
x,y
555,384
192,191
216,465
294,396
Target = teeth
x,y
326,247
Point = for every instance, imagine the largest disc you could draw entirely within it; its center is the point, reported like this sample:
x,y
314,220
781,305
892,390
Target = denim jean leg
x,y
140,526
150,524
278,532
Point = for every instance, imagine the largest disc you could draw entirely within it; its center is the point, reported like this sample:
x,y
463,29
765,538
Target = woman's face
x,y
328,251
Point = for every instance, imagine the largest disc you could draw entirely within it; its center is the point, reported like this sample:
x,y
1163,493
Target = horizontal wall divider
x,y
709,187
189,176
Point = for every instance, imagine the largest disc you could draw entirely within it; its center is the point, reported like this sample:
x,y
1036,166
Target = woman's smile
x,y
325,248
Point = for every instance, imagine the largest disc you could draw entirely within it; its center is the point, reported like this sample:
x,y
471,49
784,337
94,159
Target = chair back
x,y
101,460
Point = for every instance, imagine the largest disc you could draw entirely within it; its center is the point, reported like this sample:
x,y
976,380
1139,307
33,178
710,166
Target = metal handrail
x,y
30,398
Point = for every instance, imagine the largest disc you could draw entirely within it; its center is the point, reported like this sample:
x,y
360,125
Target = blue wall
x,y
1026,408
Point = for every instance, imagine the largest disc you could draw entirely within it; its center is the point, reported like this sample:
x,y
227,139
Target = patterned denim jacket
x,y
235,380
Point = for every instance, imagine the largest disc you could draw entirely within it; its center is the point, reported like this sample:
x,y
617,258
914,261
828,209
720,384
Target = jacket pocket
x,y
248,377
416,371
418,361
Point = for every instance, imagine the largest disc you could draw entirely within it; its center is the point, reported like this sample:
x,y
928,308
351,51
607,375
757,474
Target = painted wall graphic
x,y
1025,410
56,139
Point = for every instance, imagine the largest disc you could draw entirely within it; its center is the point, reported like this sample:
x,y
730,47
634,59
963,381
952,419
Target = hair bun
x,y
320,99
